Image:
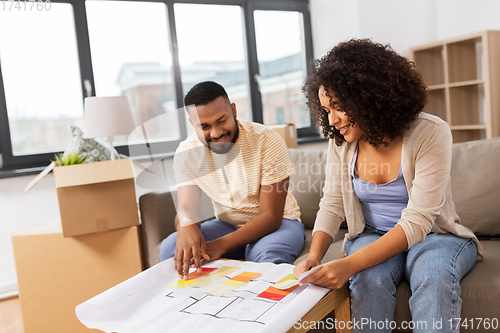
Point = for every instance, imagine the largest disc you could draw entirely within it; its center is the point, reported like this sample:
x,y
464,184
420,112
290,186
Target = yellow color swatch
x,y
231,284
180,284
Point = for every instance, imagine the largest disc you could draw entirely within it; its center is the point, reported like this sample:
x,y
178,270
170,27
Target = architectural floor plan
x,y
227,296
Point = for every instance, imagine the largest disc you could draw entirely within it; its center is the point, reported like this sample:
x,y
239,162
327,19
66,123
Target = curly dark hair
x,y
378,89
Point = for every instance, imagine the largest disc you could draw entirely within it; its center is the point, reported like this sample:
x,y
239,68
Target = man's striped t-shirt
x,y
233,180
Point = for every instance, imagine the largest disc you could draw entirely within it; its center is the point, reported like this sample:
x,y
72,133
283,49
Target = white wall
x,y
402,23
333,21
462,17
18,212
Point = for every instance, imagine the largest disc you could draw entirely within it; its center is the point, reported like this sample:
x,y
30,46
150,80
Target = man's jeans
x,y
433,268
281,246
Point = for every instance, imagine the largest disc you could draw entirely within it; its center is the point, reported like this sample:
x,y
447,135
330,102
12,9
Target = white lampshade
x,y
107,117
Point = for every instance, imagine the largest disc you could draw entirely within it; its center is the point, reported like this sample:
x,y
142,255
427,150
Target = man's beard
x,y
224,147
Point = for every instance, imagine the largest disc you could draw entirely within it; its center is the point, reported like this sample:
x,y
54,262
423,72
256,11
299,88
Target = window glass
x,y
211,48
131,57
282,66
41,77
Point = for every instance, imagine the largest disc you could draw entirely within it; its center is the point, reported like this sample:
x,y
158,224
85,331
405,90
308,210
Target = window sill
x,y
37,170
311,139
21,172
143,159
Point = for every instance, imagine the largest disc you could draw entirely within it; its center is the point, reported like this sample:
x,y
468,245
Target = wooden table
x,y
337,300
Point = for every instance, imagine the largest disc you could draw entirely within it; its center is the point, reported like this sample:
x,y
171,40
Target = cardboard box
x,y
95,197
55,273
288,132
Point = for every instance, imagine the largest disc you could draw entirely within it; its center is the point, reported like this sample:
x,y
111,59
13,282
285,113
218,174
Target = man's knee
x,y
271,255
167,247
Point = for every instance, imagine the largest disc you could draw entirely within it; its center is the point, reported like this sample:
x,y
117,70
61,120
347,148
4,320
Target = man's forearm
x,y
184,218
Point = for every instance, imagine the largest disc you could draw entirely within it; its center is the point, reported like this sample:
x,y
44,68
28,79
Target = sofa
x,y
475,181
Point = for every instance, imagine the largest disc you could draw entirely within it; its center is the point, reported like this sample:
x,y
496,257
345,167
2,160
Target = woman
x,y
388,176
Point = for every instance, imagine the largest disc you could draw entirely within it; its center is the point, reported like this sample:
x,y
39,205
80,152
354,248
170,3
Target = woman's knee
x,y
440,263
385,277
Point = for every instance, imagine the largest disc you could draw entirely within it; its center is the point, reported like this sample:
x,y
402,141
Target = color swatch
x,y
181,284
212,277
231,284
275,294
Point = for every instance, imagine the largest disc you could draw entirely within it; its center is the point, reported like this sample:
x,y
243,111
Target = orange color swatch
x,y
278,294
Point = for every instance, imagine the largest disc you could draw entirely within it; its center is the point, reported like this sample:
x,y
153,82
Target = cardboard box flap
x,y
91,173
49,227
39,177
51,166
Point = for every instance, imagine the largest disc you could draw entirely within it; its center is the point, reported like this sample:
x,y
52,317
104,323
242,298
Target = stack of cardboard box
x,y
95,246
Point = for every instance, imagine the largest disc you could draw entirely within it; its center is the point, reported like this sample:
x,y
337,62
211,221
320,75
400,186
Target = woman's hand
x,y
304,266
332,275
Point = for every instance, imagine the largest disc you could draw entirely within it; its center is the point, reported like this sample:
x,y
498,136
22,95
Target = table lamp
x,y
107,116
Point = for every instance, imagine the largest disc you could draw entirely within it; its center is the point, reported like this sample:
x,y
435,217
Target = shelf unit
x,y
463,83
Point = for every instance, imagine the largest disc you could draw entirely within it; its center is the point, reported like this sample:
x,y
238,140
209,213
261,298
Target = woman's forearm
x,y
389,245
320,243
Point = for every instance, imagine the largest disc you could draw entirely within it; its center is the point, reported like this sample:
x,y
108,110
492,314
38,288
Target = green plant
x,y
70,159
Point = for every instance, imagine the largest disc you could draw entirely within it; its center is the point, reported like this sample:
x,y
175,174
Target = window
x,y
215,52
282,65
152,52
134,60
41,78
279,117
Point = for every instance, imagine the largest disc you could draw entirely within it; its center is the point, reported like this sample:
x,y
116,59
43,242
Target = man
x,y
244,168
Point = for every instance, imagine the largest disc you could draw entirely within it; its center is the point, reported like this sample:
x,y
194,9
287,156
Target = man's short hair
x,y
204,92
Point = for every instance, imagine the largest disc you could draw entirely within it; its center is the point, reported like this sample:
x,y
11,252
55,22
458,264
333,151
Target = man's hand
x,y
304,266
332,275
215,249
190,248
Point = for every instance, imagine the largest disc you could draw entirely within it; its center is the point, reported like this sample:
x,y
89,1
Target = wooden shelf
x,y
430,63
468,127
436,103
465,60
436,87
463,80
467,105
465,83
468,135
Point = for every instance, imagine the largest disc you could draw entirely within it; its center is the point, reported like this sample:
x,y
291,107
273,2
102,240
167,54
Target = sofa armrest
x,y
158,221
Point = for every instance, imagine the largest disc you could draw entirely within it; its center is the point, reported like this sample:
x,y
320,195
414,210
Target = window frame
x,y
10,165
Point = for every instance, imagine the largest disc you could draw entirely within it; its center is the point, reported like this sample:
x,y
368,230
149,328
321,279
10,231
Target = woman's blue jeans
x,y
433,269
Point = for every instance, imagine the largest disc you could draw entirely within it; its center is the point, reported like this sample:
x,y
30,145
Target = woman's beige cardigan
x,y
426,163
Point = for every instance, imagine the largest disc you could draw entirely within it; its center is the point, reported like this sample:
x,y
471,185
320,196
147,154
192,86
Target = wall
x,y
401,23
333,21
18,212
462,17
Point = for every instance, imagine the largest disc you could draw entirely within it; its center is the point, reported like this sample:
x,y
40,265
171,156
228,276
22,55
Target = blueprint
x,y
228,296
